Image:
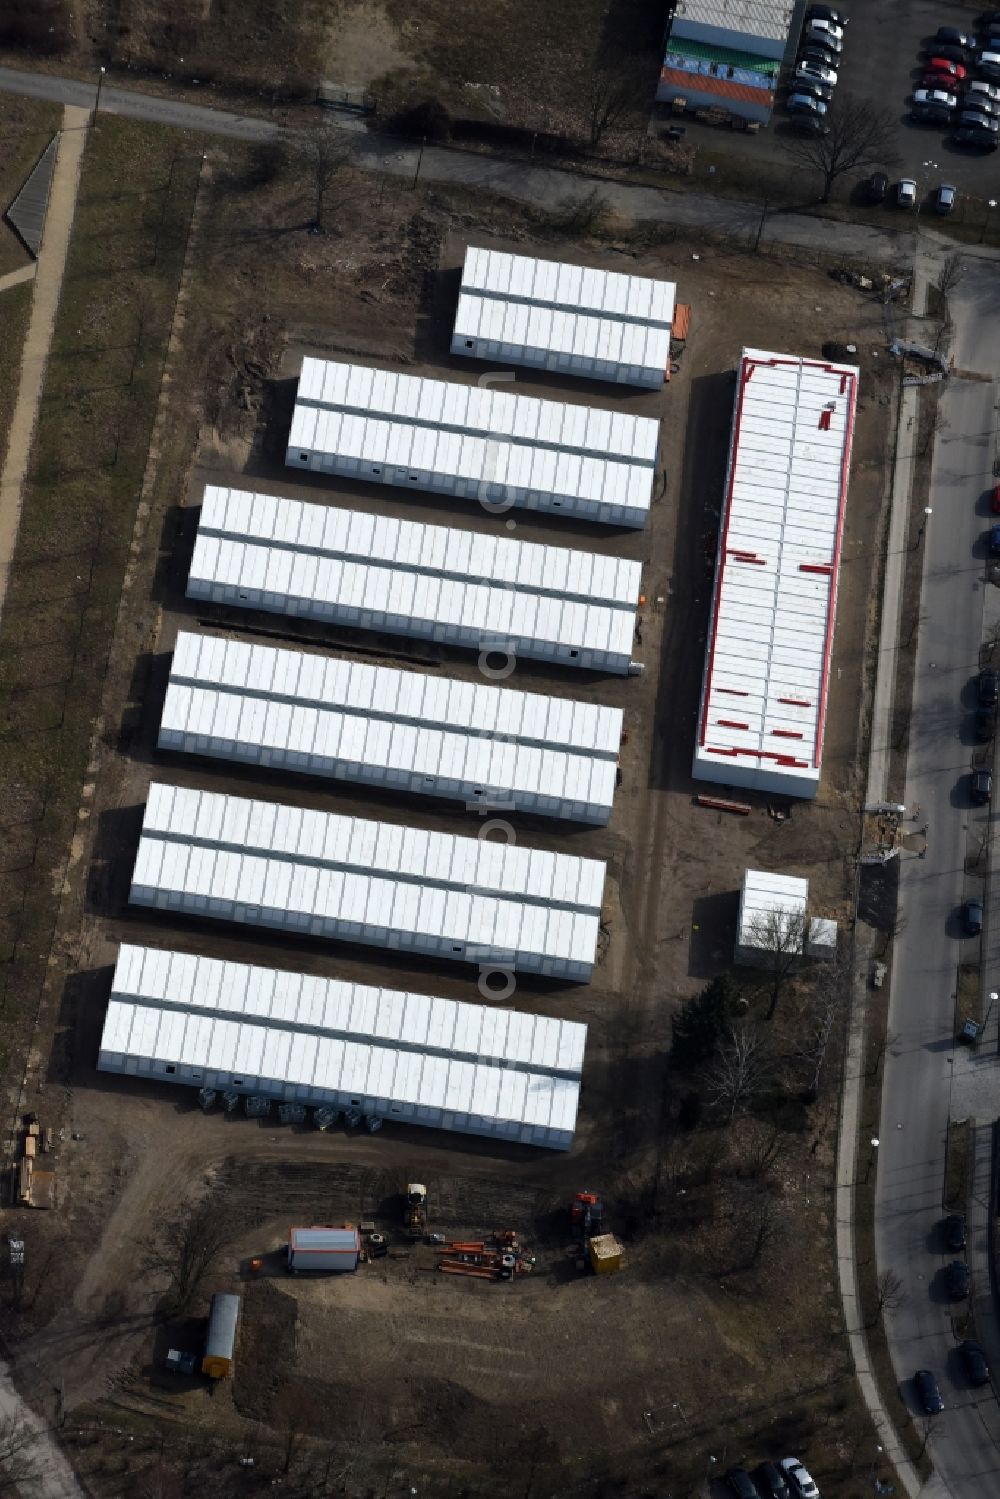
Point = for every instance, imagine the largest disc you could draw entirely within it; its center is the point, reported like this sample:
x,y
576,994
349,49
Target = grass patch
x,y
956,1171
15,310
89,456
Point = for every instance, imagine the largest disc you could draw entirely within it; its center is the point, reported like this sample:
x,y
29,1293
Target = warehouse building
x,y
480,443
483,592
569,318
347,878
478,1069
726,54
772,916
767,665
404,730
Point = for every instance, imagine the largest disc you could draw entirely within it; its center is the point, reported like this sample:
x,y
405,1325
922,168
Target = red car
x,y
942,65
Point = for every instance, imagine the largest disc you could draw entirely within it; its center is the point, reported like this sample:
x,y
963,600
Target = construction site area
x,y
563,1256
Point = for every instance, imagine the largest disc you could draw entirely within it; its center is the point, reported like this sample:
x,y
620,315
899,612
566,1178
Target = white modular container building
x,y
344,567
203,1022
572,319
772,915
323,875
767,664
480,443
403,730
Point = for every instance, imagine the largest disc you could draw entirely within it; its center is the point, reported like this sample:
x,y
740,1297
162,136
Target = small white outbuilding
x,y
772,916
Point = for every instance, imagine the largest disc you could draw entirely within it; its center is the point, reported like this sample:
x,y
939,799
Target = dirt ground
x,y
570,1384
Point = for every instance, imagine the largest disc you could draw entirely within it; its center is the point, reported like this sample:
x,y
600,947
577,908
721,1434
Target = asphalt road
x,y
928,1079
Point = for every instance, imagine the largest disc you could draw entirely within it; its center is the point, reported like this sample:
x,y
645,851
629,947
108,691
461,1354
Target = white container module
x,y
481,443
440,583
401,1056
572,319
770,645
347,878
402,730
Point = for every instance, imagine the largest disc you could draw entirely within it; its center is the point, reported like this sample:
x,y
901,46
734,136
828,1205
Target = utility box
x,y
220,1342
605,1254
323,1248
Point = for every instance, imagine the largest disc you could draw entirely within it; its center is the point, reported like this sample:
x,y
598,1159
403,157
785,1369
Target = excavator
x,y
415,1210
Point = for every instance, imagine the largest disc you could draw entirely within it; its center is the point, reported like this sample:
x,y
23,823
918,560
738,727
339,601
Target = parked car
x,y
741,1484
988,683
980,105
956,1279
988,65
906,193
952,54
800,1480
939,64
982,787
876,189
815,72
816,90
931,114
935,96
817,53
770,1482
978,88
945,198
974,1360
954,1231
977,120
827,32
808,125
972,924
994,545
990,19
828,13
954,38
979,140
804,104
986,725
928,1393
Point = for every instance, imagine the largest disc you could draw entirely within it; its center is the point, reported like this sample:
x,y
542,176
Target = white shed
x,y
768,658
404,730
573,319
481,591
772,915
481,443
464,899
413,1058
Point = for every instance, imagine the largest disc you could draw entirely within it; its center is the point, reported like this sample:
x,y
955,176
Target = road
x,y
928,1079
542,187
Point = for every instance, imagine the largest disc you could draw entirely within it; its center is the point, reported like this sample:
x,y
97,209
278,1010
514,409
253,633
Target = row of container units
x,y
474,442
764,697
490,747
344,567
202,1022
350,879
570,319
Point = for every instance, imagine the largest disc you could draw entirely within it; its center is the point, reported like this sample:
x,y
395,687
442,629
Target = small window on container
x,y
470,343
170,1067
304,457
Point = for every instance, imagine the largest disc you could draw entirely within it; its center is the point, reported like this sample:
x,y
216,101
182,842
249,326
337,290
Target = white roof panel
x,y
767,668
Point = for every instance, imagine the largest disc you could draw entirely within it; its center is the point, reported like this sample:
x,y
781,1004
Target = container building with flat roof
x,y
477,442
414,1058
373,572
347,878
572,319
398,730
766,683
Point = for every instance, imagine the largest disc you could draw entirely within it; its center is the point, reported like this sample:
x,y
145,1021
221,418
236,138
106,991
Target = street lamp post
x,y
97,100
928,512
990,204
871,1159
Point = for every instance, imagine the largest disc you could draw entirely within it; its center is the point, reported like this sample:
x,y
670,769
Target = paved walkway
x,y
38,340
19,277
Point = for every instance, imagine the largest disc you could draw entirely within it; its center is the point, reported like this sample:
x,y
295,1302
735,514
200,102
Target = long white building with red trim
x,y
764,695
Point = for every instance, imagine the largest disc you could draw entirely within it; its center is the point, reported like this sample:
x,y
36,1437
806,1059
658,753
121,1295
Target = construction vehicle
x,y
586,1214
415,1210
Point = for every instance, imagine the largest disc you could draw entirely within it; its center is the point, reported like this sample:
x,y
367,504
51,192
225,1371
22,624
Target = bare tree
x,y
737,1072
615,90
185,1253
857,134
926,1427
823,1008
888,1294
18,1461
763,1228
326,156
951,273
776,938
762,1151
